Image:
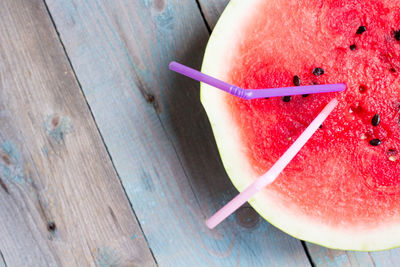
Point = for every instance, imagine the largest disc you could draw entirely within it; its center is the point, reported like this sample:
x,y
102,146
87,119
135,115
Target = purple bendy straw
x,y
255,93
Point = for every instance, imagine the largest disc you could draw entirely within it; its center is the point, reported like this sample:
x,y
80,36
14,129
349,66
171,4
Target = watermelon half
x,y
343,189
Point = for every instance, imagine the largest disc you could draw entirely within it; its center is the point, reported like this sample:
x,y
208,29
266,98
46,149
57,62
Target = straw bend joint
x,y
239,92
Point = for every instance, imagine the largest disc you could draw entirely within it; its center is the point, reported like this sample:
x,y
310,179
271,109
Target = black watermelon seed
x,y
392,70
375,142
376,119
318,71
361,29
305,95
266,98
362,89
296,80
353,47
287,98
320,126
397,35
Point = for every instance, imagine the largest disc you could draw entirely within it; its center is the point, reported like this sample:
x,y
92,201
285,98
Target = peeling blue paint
x,y
134,236
56,127
11,163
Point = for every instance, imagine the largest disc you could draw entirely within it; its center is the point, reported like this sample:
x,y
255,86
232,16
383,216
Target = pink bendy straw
x,y
275,170
254,93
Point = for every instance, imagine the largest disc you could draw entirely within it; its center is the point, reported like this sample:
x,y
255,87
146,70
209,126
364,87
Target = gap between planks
x,y
203,17
309,257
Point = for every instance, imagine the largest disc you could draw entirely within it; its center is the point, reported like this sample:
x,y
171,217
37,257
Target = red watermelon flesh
x,y
352,180
339,178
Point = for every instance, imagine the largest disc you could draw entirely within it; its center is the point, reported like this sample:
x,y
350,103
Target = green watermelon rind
x,y
218,55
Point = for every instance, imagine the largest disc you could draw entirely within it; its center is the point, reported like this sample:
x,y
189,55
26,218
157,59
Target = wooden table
x,y
107,158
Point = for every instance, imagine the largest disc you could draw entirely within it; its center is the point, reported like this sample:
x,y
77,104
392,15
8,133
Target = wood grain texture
x,y
157,132
321,256
62,203
212,10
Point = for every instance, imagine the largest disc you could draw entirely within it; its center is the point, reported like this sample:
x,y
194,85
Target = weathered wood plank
x,y
321,256
61,200
212,10
157,132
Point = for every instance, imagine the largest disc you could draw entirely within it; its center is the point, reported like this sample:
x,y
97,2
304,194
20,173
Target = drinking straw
x,y
275,170
254,93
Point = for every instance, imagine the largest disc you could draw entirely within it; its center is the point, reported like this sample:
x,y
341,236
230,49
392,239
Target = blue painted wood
x,y
157,132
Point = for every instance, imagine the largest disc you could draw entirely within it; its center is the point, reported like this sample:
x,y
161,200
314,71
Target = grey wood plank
x,y
157,132
212,10
62,203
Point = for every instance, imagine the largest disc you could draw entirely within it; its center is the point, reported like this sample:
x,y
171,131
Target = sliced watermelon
x,y
343,189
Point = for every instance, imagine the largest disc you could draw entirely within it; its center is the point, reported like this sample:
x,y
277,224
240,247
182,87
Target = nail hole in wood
x,y
150,98
51,226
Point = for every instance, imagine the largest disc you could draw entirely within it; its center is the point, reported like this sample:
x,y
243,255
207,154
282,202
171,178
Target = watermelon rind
x,y
220,50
